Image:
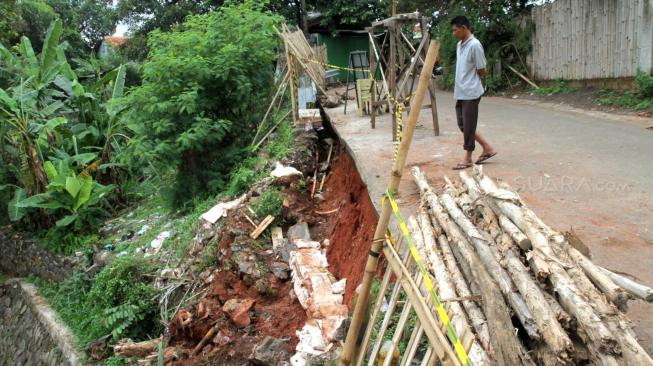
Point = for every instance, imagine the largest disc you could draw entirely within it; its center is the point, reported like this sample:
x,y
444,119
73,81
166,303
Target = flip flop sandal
x,y
461,166
484,157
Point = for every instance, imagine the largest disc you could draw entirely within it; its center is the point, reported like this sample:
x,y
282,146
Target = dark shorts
x,y
467,116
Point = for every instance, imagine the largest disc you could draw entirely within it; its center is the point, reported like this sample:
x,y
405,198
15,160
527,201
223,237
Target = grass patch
x,y
560,87
279,147
623,99
270,203
119,301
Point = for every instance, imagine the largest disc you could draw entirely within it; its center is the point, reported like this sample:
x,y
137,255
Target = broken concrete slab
x,y
221,209
298,231
270,352
280,270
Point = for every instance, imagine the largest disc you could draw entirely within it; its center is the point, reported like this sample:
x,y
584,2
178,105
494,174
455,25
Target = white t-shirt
x,y
469,59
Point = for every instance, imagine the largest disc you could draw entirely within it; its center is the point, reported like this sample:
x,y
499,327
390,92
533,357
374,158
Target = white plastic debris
x,y
220,210
143,230
384,305
157,243
284,171
339,287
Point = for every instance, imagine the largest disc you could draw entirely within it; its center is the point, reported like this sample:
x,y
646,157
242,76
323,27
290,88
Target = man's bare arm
x,y
481,72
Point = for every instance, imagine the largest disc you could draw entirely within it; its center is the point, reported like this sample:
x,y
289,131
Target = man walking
x,y
470,67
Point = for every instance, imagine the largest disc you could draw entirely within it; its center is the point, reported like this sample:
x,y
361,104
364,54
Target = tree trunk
x,y
481,243
596,333
633,287
426,244
615,293
476,316
506,346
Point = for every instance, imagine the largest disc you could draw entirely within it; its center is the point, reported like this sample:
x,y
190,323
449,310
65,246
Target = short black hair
x,y
460,21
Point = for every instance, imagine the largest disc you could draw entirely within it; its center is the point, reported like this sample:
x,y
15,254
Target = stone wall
x,y
21,257
31,333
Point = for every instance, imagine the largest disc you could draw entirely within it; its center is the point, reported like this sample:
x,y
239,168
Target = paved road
x,y
587,170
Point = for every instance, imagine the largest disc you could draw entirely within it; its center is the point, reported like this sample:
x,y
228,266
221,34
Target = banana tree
x,y
77,195
30,111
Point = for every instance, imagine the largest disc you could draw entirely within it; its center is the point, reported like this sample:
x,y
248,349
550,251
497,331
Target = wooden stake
x,y
642,291
523,77
265,116
208,336
250,220
262,226
382,225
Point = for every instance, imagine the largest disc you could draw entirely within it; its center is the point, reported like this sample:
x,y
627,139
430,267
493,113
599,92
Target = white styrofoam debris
x,y
284,171
339,287
220,210
157,243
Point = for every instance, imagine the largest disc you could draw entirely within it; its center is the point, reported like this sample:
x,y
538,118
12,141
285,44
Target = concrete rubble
x,y
220,210
318,293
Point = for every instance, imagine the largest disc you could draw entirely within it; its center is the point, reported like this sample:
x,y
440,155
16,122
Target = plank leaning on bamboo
x,y
506,346
384,217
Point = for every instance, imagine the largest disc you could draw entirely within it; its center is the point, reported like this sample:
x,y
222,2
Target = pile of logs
x,y
542,300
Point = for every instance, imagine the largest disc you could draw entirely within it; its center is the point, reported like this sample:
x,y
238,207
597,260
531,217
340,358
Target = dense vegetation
x,y
164,125
202,88
502,29
82,138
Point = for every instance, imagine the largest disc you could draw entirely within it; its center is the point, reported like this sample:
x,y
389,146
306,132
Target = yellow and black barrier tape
x,y
442,313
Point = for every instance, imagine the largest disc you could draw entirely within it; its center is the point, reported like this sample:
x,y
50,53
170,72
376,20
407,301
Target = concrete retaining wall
x,y
21,257
31,333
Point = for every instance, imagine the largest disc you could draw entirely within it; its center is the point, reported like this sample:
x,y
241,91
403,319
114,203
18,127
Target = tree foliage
x,y
202,85
85,22
145,16
351,14
57,136
498,24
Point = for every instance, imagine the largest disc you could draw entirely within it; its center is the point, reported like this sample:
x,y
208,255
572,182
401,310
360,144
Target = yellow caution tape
x,y
334,66
441,311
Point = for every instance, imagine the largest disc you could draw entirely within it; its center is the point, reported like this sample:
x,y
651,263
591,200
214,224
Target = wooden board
x,y
262,226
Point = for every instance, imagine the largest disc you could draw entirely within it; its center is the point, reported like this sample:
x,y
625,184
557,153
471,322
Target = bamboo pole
x,y
267,112
384,218
443,349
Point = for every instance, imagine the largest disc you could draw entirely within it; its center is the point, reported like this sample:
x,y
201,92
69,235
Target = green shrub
x,y
496,25
119,301
248,172
201,97
560,87
270,203
623,99
279,147
644,83
63,241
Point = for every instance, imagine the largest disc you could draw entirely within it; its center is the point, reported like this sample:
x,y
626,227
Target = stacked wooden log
x,y
542,300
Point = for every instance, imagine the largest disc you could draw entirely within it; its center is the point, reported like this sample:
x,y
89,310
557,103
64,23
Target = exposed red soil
x,y
277,314
352,227
274,313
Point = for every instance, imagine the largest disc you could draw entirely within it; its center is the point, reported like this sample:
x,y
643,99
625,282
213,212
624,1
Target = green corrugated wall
x,y
338,48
